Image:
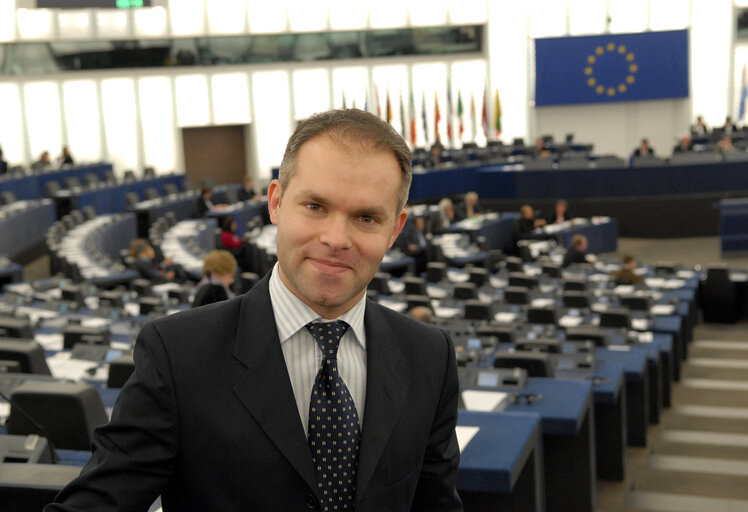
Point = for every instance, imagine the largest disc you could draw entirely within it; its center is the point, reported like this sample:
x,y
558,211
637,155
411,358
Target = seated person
x,y
66,158
150,268
413,241
644,149
560,213
626,274
204,204
540,150
527,221
247,192
684,146
577,252
469,208
219,270
421,313
729,127
699,129
435,155
446,216
43,162
233,244
725,145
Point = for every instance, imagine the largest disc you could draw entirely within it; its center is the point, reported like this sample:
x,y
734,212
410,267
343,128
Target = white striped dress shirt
x,y
302,354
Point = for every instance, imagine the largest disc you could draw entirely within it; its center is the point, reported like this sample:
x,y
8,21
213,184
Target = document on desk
x,y
50,341
640,324
570,321
542,302
441,312
505,317
485,401
662,309
63,367
465,434
5,412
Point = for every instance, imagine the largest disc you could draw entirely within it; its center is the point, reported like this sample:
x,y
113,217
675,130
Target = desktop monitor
x,y
14,327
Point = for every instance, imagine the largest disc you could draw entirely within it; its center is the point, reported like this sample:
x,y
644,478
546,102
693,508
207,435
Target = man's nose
x,y
335,232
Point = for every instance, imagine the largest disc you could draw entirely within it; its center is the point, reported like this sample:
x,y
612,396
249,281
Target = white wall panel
x,y
81,101
193,107
428,12
469,79
272,119
392,79
226,16
74,24
35,23
230,98
670,15
468,11
311,92
11,129
157,121
547,18
7,20
187,17
43,118
587,17
388,13
150,22
308,15
118,104
348,14
267,17
351,82
628,15
111,23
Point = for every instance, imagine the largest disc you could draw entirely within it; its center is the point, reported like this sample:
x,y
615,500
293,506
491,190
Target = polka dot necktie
x,y
334,432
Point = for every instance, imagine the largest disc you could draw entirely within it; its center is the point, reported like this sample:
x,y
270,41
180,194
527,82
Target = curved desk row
x,y
32,186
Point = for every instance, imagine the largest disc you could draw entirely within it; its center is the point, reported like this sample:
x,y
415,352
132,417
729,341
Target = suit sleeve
x,y
133,455
436,485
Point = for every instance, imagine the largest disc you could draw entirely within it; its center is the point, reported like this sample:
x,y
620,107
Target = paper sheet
x,y
50,341
484,401
662,309
640,324
505,317
5,410
465,435
542,302
447,312
62,367
570,321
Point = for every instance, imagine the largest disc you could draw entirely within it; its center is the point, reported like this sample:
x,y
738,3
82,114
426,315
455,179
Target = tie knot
x,y
328,336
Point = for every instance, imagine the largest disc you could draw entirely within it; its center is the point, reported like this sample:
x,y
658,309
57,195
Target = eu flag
x,y
615,67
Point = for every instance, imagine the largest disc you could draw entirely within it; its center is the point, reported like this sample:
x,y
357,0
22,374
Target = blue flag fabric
x,y
615,67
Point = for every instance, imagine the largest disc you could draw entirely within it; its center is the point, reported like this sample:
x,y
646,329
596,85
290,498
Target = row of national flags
x,y
458,119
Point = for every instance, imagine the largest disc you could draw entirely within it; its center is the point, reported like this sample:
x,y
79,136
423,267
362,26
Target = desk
x,y
733,225
25,226
502,466
241,213
32,186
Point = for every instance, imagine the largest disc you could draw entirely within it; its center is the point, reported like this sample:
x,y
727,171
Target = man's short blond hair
x,y
219,262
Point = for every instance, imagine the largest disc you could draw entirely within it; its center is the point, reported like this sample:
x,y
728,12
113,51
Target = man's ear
x,y
274,197
399,223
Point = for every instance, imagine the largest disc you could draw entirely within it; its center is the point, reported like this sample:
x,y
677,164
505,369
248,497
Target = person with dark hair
x,y
527,221
149,267
413,241
66,158
219,271
3,163
627,273
204,204
229,403
577,252
43,162
231,242
248,192
644,149
560,212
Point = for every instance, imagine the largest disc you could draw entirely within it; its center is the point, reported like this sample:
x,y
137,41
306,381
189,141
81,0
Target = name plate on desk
x,y
485,401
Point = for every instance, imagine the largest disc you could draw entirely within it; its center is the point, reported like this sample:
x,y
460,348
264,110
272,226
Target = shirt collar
x,y
292,314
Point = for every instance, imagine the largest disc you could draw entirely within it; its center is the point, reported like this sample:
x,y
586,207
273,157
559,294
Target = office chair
x,y
573,284
72,183
436,271
418,300
149,173
248,281
537,364
132,198
551,270
120,370
548,345
129,176
665,267
477,310
635,302
464,291
504,334
69,412
7,197
414,285
615,318
514,264
478,276
520,279
91,179
575,299
170,189
151,193
589,333
51,188
719,296
89,212
541,316
516,295
16,327
27,353
380,283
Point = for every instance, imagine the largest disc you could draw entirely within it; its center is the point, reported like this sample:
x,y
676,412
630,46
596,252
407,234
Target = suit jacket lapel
x,y
386,391
265,388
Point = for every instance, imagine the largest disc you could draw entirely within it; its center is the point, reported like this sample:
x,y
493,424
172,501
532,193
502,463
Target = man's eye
x,y
313,206
367,219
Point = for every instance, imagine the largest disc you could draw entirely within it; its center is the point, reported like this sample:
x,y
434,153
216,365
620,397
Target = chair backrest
x,y
576,299
477,310
647,161
91,179
464,291
548,345
516,295
615,318
478,275
541,315
51,188
414,285
537,364
514,264
436,271
577,285
635,302
7,197
380,283
587,333
69,412
151,193
28,353
551,270
520,279
170,189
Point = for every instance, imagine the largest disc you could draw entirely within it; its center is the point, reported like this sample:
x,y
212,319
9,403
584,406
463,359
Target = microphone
x,y
35,424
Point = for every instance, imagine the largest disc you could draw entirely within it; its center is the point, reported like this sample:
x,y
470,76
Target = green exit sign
x,y
129,4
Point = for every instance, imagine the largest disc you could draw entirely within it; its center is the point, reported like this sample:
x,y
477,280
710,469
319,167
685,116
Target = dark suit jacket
x,y
209,420
573,255
148,270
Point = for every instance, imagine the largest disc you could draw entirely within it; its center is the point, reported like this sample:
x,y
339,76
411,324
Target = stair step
x,y
702,371
691,483
666,502
689,395
678,421
713,438
711,411
734,344
701,450
712,466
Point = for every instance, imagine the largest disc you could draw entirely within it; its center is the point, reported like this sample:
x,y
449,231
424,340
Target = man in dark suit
x,y
577,252
224,405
